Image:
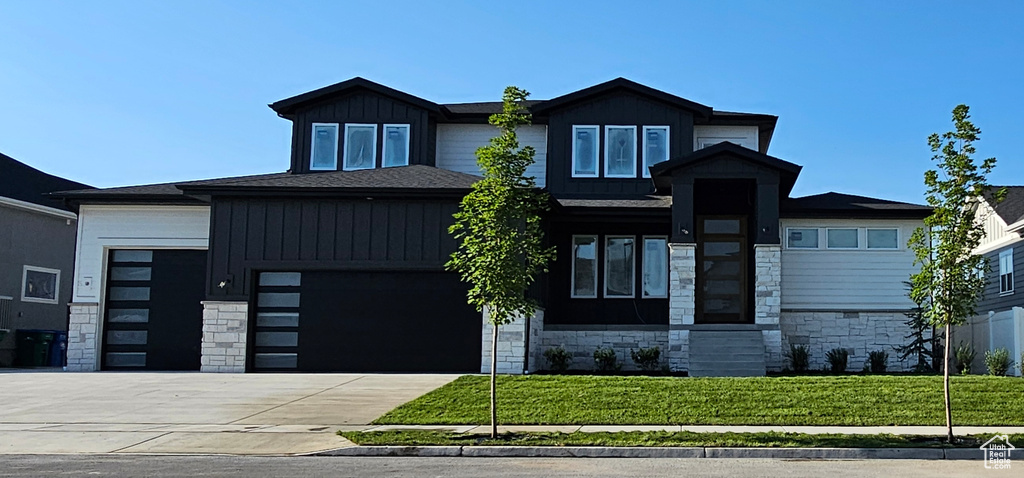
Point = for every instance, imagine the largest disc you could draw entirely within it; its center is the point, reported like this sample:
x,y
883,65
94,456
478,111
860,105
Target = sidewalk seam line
x,y
141,442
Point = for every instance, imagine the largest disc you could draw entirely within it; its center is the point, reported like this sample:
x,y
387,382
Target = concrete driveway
x,y
194,413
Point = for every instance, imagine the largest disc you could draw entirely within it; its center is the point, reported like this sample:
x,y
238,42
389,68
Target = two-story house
x,y
673,225
1000,319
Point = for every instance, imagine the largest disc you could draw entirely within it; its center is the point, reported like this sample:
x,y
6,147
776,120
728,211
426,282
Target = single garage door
x,y
330,321
154,315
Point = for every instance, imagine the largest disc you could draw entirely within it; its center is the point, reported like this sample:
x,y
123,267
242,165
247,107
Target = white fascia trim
x,y
1016,227
1006,241
312,147
607,151
384,154
597,151
33,207
344,156
645,171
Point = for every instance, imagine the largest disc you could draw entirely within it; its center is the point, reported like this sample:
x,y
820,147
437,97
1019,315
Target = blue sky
x,y
117,93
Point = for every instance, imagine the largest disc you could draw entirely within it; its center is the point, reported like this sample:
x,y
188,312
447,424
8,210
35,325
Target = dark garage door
x,y
154,314
365,322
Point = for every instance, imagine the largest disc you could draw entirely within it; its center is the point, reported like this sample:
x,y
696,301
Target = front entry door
x,y
722,270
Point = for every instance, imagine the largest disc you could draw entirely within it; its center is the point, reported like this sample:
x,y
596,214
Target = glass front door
x,y
722,270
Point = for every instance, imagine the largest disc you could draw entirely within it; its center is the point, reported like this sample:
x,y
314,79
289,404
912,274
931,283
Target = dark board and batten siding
x,y
615,109
992,301
324,234
366,108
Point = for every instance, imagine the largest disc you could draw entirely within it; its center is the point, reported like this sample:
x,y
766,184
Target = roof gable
x,y
288,106
788,171
25,183
621,84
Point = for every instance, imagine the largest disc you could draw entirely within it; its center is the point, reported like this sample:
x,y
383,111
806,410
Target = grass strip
x,y
884,400
664,439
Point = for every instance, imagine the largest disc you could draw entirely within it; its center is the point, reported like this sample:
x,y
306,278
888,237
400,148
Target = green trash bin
x,y
32,347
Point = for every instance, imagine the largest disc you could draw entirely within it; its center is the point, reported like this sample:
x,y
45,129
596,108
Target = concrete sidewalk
x,y
260,414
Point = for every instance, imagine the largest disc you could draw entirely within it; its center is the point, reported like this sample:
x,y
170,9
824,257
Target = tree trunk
x,y
494,381
945,382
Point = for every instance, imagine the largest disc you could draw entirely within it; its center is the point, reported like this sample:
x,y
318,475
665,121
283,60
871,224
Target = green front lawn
x,y
808,400
676,439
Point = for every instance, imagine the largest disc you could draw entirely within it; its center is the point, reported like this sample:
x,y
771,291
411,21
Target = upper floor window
x,y
883,238
1006,271
360,147
396,145
584,151
842,238
620,152
324,151
655,147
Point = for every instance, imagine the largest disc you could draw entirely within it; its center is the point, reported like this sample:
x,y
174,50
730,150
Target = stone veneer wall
x,y
225,332
83,330
859,332
681,303
582,344
511,344
768,301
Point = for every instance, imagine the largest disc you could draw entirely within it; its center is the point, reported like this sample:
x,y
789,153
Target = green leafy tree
x,y
498,226
922,338
949,283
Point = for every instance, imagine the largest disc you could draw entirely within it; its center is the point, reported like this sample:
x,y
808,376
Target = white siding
x,y
860,280
101,228
457,145
708,135
996,235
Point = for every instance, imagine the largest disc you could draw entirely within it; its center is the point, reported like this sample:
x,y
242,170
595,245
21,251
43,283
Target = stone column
x,y
225,331
768,300
681,303
83,331
511,344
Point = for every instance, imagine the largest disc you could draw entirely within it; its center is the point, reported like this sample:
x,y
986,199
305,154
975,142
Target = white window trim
x,y
597,155
1008,253
632,274
859,241
646,173
56,284
607,163
408,138
572,278
642,268
817,230
867,245
708,141
344,159
312,146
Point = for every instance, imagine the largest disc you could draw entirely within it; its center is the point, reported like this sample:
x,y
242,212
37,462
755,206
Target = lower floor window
x,y
619,266
584,266
655,271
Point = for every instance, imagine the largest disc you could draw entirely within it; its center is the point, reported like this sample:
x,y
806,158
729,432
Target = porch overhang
x,y
662,173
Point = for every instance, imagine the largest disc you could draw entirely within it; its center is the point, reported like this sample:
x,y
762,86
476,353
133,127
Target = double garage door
x,y
331,321
320,321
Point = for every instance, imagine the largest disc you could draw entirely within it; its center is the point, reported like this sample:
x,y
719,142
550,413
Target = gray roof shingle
x,y
1011,208
850,205
402,177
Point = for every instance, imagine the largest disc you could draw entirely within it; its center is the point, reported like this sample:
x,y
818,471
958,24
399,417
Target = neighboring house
x,y
673,226
37,252
1000,319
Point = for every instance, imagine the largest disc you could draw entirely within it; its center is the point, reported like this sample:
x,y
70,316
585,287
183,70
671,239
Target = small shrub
x,y
837,359
964,355
878,360
605,360
998,362
1020,364
646,358
799,357
558,359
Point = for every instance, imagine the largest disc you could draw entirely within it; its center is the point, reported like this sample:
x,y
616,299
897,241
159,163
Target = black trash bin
x,y
32,347
58,348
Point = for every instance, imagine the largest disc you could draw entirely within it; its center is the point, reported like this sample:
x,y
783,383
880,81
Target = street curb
x,y
660,452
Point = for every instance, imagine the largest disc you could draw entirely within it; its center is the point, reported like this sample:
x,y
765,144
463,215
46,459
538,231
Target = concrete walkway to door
x,y
193,412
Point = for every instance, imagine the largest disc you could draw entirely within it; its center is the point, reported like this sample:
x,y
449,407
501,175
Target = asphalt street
x,y
227,466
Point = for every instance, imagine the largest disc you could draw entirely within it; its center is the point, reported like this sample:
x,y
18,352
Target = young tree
x,y
949,283
498,227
